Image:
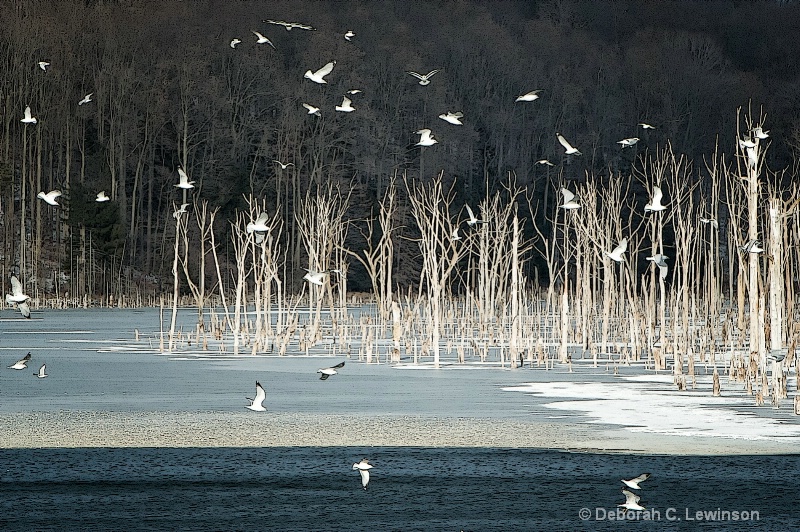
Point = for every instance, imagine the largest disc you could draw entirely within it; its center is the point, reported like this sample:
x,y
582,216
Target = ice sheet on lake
x,y
648,403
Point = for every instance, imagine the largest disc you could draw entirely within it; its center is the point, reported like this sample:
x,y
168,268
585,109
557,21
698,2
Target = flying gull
x,y
570,200
349,35
19,297
655,203
545,162
41,374
472,220
327,372
423,79
453,118
634,482
711,221
180,211
43,65
289,25
101,197
425,138
645,125
627,143
528,97
312,110
262,39
257,404
346,106
658,260
283,165
753,246
184,182
319,75
259,227
21,363
314,277
50,197
86,99
616,255
631,501
569,149
363,468
28,119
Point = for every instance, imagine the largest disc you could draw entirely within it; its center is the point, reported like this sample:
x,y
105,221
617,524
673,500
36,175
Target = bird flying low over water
x,y
327,372
616,255
49,197
655,204
256,404
20,298
634,482
569,149
21,363
319,75
453,118
289,25
28,119
262,39
631,501
424,79
529,96
363,468
41,374
425,138
183,180
570,200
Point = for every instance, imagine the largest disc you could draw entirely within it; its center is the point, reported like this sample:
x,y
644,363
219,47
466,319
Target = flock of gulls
x,y
23,364
631,499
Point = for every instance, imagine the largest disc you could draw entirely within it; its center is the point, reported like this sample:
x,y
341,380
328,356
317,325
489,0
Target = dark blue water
x,y
302,488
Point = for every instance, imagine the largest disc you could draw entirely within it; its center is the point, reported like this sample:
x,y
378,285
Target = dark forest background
x,y
168,90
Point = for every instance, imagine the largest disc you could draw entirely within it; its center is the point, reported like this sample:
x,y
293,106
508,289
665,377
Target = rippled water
x,y
411,489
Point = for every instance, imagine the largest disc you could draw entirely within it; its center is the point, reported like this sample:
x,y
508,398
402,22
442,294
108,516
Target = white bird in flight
x,y
327,372
346,106
363,468
453,118
183,180
711,221
631,501
28,119
760,133
752,246
569,149
290,25
349,35
41,374
746,143
752,157
528,96
259,227
101,197
425,138
180,211
283,165
660,261
545,162
314,277
19,297
312,110
455,235
570,200
262,39
319,75
616,255
634,482
354,91
645,125
424,79
655,204
50,197
472,220
21,363
627,143
43,65
86,99
234,42
257,404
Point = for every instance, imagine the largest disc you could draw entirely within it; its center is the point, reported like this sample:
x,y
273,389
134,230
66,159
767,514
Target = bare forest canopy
x,y
168,89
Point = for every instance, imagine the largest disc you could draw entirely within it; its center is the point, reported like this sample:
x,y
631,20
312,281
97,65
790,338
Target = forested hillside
x,y
168,90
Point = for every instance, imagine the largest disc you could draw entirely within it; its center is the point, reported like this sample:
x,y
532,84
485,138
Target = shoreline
x,y
153,429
